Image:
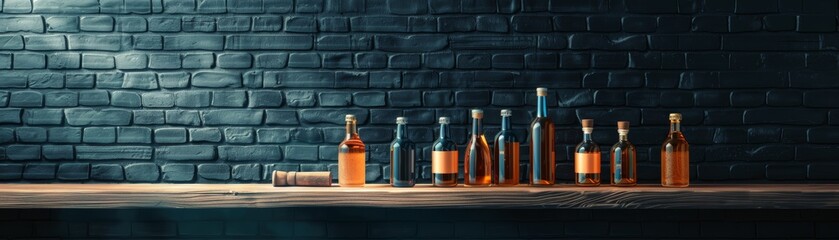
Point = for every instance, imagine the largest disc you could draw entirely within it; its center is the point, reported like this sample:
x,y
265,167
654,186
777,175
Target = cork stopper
x,y
541,92
477,113
623,125
675,116
588,123
401,120
350,118
444,120
506,113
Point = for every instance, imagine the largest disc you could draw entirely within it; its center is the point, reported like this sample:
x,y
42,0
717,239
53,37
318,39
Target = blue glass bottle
x,y
402,157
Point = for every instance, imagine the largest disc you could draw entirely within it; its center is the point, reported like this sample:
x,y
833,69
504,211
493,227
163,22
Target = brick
x,y
73,171
26,99
758,42
158,99
131,24
247,172
142,172
250,153
91,61
267,24
496,24
216,79
164,24
334,99
369,99
65,135
192,99
39,171
11,171
164,61
456,24
133,135
148,117
131,61
232,117
790,98
610,60
491,42
170,135
30,135
379,24
97,23
64,61
204,135
193,42
106,172
178,172
18,152
173,79
29,60
185,153
46,80
340,60
304,60
183,117
99,135
268,42
58,152
410,43
238,135
34,24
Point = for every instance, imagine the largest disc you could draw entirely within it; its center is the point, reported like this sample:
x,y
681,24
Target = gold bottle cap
x,y
477,113
675,117
506,113
401,120
350,118
541,92
623,125
588,123
444,120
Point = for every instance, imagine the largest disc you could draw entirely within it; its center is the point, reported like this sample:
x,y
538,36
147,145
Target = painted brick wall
x,y
226,91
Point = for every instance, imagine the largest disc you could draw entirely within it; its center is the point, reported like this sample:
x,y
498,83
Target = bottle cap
x,y
477,113
401,120
541,91
444,120
588,123
623,125
675,116
506,113
350,118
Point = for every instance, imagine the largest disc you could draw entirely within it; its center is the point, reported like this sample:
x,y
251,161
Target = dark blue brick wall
x,y
229,90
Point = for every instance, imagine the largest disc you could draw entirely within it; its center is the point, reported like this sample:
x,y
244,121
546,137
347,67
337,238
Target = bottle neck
x,y
587,134
352,130
401,131
675,126
623,135
444,131
505,123
541,106
477,127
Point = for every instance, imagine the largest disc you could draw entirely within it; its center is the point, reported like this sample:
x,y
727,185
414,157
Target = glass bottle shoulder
x,y
444,145
623,145
505,136
587,147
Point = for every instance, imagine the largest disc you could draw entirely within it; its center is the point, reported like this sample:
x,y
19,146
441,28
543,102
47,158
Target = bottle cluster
x,y
498,165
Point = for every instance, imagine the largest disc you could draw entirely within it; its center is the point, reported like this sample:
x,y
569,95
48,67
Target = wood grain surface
x,y
792,196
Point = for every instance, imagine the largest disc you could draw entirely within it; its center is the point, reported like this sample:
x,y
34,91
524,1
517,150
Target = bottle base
x,y
675,186
624,184
587,184
445,186
351,185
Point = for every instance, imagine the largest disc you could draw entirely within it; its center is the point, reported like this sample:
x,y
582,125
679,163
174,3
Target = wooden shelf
x,y
791,196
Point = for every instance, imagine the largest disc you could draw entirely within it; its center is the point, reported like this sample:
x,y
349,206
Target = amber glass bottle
x,y
351,157
477,163
587,158
623,159
675,155
402,157
542,153
505,154
444,158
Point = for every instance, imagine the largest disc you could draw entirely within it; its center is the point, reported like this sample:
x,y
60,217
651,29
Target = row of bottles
x,y
498,165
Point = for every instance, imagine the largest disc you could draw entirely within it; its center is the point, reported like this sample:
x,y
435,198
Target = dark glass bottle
x,y
542,153
587,158
402,157
444,158
351,157
477,163
623,161
675,156
505,154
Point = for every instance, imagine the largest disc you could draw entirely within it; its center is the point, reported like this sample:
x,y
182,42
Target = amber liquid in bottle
x,y
587,158
477,162
402,157
623,161
542,153
675,156
351,157
505,154
444,158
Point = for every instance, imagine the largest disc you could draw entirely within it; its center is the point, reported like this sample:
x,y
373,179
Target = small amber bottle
x,y
587,158
505,154
623,161
444,158
351,157
675,155
477,163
